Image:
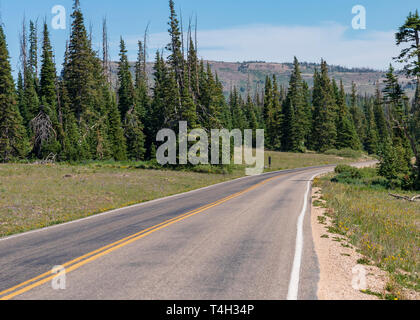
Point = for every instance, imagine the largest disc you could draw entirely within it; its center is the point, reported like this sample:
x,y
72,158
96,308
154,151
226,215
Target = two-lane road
x,y
237,240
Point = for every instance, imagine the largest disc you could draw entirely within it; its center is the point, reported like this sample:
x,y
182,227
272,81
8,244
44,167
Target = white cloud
x,y
373,49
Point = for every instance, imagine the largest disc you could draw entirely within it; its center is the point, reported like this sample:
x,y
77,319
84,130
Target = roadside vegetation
x,y
384,229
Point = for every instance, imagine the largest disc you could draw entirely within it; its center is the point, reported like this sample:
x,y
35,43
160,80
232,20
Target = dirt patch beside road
x,y
338,261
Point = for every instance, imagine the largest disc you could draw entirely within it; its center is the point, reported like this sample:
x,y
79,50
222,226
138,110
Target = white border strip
x,y
297,261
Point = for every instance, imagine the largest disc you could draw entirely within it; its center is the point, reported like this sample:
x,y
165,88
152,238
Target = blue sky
x,y
233,30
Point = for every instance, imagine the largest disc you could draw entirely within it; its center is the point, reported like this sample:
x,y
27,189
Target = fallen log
x,y
407,198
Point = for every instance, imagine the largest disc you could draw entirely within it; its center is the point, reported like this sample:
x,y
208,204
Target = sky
x,y
231,30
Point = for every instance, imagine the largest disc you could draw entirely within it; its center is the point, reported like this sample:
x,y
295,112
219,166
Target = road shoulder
x,y
338,260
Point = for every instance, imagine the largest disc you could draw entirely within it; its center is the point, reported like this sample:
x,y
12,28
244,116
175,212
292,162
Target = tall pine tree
x,y
13,141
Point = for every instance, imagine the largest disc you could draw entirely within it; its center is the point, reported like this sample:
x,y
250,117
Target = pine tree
x,y
295,121
250,114
33,50
31,101
409,35
225,118
141,84
46,122
48,81
20,93
193,65
87,90
134,135
357,114
78,69
236,107
346,133
156,117
69,136
324,130
13,140
380,120
188,110
126,95
388,164
272,114
394,99
175,58
372,137
116,133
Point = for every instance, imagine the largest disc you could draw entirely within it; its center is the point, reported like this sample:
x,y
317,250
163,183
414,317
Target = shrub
x,y
343,168
379,181
347,174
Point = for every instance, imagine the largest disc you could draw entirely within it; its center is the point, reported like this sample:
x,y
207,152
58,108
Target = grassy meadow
x,y
34,196
384,229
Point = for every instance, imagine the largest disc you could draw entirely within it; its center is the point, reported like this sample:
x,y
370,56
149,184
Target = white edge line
x,y
142,204
295,274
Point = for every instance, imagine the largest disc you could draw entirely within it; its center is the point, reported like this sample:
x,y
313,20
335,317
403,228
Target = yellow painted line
x,y
105,247
77,263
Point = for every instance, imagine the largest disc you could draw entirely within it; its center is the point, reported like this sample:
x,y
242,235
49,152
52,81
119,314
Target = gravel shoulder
x,y
338,260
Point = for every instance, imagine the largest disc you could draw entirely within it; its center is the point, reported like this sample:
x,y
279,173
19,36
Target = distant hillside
x,y
239,73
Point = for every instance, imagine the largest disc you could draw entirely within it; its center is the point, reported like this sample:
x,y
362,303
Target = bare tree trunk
x,y
146,34
24,50
105,51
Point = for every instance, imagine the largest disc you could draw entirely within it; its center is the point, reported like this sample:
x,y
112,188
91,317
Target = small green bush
x,y
343,168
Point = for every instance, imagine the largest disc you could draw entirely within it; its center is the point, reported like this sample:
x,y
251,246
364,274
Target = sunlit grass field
x,y
34,196
384,229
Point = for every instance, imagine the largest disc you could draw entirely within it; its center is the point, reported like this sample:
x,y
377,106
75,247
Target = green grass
x,y
285,160
34,196
385,230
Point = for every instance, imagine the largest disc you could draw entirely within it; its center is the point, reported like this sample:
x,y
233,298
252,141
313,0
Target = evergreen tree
x,y
380,120
272,114
156,117
126,95
394,100
33,50
87,90
357,114
295,121
175,59
236,106
346,133
78,69
13,140
69,137
372,137
409,35
116,133
48,81
30,102
388,164
324,129
45,141
250,114
188,110
134,136
193,69
141,84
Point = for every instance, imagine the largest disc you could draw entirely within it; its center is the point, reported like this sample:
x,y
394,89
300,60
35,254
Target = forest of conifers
x,y
77,115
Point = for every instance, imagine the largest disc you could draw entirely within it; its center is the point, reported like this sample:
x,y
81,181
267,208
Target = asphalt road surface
x,y
244,239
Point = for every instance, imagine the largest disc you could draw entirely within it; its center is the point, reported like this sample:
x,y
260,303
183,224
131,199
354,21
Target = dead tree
x,y
42,129
105,51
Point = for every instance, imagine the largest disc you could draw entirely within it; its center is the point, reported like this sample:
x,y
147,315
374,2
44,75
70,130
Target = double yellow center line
x,y
91,256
